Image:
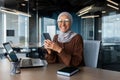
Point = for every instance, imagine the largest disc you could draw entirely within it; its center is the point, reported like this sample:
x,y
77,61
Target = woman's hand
x,y
52,45
45,46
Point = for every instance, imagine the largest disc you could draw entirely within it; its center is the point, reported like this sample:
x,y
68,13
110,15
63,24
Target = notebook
x,y
10,51
68,71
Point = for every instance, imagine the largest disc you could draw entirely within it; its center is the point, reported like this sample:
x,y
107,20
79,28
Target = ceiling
x,y
50,6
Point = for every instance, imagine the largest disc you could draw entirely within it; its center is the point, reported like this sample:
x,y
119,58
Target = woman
x,y
66,47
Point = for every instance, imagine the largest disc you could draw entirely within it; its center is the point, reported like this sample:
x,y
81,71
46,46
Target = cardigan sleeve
x,y
76,57
51,58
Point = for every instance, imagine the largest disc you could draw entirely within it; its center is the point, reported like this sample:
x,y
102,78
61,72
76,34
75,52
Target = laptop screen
x,y
10,52
8,47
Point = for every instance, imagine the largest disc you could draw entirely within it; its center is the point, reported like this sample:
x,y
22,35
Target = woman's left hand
x,y
52,45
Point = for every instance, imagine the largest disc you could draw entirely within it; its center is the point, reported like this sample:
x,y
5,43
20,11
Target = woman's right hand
x,y
46,47
52,46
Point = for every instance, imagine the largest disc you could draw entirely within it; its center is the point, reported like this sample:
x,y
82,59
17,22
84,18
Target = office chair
x,y
91,52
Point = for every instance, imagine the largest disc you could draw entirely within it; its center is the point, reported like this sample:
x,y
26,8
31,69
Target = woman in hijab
x,y
67,46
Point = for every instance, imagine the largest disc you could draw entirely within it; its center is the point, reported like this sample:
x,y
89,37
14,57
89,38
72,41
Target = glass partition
x,y
14,28
48,25
14,24
87,28
110,29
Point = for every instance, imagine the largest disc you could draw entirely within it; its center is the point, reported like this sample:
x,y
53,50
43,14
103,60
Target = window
x,y
48,26
87,28
110,29
14,28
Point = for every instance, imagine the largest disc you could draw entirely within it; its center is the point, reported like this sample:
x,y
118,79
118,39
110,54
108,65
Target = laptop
x,y
13,57
25,61
47,36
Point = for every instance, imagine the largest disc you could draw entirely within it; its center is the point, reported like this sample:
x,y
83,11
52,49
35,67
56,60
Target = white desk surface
x,y
49,73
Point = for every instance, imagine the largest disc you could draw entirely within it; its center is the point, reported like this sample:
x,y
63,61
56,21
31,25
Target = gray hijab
x,y
66,37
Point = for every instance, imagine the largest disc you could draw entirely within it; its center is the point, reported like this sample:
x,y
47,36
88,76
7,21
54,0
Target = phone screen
x,y
46,36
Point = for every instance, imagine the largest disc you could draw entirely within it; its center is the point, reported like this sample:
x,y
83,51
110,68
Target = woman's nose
x,y
63,23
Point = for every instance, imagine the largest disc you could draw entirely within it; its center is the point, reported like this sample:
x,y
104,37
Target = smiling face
x,y
64,23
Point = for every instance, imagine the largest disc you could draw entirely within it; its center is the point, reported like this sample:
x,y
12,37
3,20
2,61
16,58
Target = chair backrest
x,y
91,52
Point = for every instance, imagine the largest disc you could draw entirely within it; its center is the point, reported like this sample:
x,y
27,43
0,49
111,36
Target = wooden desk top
x,y
49,73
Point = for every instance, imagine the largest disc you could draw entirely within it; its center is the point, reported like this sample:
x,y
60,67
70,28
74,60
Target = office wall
x,y
76,23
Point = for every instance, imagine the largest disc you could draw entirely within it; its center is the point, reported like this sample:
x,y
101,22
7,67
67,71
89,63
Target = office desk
x,y
49,73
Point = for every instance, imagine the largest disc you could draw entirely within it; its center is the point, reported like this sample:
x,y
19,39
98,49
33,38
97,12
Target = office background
x,y
22,22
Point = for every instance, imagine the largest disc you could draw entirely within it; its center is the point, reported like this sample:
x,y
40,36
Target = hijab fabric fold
x,y
66,37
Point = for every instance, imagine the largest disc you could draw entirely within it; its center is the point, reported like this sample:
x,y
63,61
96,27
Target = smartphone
x,y
46,36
